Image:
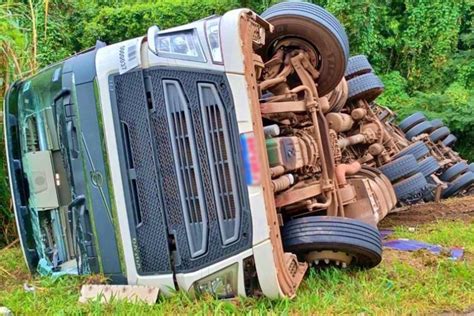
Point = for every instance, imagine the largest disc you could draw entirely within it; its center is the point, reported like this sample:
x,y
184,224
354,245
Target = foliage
x,y
112,24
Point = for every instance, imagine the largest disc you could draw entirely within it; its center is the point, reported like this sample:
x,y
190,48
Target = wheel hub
x,y
329,257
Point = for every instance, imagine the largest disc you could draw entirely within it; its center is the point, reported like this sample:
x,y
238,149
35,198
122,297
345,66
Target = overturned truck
x,y
225,156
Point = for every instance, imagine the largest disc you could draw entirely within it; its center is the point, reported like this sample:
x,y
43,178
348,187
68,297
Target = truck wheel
x,y
410,186
325,239
356,66
449,140
463,182
439,134
367,87
302,20
418,129
417,149
436,123
454,171
399,168
412,120
428,166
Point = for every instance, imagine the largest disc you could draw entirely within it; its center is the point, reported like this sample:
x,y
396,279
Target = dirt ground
x,y
456,209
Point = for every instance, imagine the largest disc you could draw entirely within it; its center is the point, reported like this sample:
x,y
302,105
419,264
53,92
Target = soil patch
x,y
450,209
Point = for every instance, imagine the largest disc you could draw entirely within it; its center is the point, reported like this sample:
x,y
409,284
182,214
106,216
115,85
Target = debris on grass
x,y
403,244
109,293
5,311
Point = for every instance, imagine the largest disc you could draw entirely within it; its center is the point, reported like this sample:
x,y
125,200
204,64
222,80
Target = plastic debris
x,y
5,311
44,268
29,288
414,245
385,233
131,293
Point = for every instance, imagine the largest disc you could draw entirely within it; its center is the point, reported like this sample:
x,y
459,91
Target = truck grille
x,y
192,127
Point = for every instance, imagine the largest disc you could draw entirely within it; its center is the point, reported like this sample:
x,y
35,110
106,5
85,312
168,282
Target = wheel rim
x,y
310,23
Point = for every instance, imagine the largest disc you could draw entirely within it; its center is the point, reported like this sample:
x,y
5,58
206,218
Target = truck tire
x,y
319,233
418,129
399,168
428,166
356,66
319,28
436,123
367,87
439,134
410,186
412,120
463,182
449,140
454,171
417,149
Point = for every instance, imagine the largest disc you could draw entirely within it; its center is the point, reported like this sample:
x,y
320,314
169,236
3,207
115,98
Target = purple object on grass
x,y
414,245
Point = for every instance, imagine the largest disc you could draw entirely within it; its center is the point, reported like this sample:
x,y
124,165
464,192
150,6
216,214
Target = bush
x,y
113,24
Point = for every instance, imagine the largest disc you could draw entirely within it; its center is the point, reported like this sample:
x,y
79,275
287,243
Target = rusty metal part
x,y
383,182
283,107
343,169
358,114
277,171
290,271
283,182
376,149
370,205
339,122
440,186
351,140
300,192
337,98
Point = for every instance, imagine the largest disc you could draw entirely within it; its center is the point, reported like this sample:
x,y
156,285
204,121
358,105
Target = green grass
x,y
405,283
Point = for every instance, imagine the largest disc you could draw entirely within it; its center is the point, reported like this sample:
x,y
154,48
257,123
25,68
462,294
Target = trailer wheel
x,y
399,168
417,149
356,66
439,134
463,182
449,140
412,120
428,166
367,87
410,186
325,239
436,123
418,129
318,27
454,171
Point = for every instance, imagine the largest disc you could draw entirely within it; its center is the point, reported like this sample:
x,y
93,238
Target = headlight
x,y
214,39
220,284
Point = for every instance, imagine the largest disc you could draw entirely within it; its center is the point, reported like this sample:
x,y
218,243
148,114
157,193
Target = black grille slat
x,y
189,173
218,144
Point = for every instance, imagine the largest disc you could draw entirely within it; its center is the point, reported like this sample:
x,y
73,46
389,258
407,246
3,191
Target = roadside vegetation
x,y
405,283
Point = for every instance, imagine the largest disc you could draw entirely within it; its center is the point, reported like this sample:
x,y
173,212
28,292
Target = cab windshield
x,y
45,160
